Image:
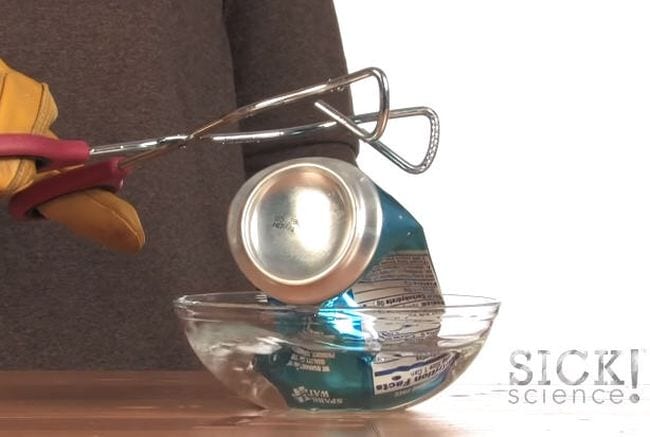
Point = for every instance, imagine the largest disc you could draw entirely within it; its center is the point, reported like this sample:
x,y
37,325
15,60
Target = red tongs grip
x,y
104,174
49,153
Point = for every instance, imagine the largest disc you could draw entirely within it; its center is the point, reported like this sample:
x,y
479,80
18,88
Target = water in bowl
x,y
309,370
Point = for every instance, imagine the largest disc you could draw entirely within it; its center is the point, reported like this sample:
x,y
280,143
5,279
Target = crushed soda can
x,y
319,231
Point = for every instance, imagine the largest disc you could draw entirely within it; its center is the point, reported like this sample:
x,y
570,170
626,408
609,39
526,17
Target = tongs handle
x,y
332,85
432,146
106,174
49,153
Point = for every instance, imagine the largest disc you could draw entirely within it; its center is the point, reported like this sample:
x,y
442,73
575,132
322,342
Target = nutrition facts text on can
x,y
404,278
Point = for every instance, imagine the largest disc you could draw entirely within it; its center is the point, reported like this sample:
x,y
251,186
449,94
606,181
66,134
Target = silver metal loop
x,y
432,146
146,149
238,114
418,111
332,85
131,147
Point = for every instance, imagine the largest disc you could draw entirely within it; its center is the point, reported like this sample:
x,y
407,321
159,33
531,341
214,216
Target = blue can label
x,y
402,375
313,379
401,279
401,273
315,396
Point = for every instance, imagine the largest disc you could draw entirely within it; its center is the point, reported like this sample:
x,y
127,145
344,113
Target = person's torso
x,y
122,70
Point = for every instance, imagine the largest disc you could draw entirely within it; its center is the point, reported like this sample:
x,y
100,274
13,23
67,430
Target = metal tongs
x,y
55,154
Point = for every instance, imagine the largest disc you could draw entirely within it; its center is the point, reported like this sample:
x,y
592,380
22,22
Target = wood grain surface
x,y
194,404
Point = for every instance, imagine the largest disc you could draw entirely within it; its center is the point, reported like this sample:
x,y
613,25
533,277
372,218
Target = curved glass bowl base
x,y
310,358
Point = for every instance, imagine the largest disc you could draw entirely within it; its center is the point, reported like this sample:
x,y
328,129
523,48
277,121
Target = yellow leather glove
x,y
26,106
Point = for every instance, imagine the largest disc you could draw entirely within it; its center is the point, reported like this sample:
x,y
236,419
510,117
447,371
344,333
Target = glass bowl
x,y
336,358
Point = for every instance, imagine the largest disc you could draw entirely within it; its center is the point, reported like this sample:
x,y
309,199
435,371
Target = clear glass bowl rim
x,y
197,303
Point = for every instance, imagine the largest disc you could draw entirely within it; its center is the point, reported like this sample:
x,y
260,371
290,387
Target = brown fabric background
x,y
123,70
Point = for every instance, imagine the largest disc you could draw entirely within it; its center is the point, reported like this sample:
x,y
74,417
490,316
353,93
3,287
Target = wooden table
x,y
194,404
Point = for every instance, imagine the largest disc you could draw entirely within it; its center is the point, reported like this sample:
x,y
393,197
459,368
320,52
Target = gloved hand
x,y
26,106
